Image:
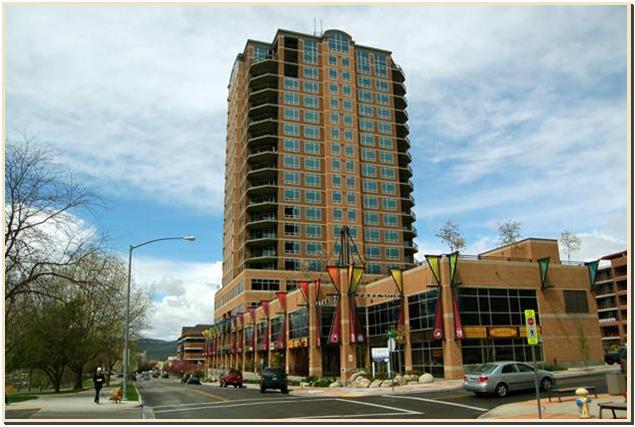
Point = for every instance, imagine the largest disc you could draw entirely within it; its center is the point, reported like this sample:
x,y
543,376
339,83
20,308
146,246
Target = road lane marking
x,y
215,396
269,399
352,415
476,408
230,405
380,406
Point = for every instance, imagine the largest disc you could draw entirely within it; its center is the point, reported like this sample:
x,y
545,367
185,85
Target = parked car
x,y
156,374
231,377
146,376
193,379
502,377
275,378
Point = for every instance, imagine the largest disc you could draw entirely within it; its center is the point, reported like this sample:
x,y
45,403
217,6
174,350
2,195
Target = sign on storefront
x,y
503,332
475,331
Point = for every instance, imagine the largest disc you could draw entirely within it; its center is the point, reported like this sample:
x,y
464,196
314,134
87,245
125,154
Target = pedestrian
x,y
98,379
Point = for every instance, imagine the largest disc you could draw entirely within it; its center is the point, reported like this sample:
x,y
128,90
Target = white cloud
x,y
184,293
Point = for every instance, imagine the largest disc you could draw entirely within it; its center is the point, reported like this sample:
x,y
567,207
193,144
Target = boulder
x,y
375,384
413,382
386,384
412,377
335,384
303,385
401,380
426,379
362,383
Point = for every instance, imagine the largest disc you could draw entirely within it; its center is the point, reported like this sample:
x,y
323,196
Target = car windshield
x,y
273,371
484,369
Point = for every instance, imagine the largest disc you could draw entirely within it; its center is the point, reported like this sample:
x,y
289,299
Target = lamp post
x,y
127,326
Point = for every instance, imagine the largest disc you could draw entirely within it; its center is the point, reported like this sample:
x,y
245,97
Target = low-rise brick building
x,y
190,347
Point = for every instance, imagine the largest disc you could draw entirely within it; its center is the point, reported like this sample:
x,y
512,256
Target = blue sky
x,y
516,112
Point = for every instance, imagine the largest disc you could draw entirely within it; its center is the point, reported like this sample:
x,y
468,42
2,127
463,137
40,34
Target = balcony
x,y
262,256
263,96
406,188
263,127
267,66
261,221
399,88
397,74
403,144
264,81
262,238
410,232
263,141
407,203
263,111
402,130
404,158
262,188
261,173
410,247
408,217
400,102
262,204
401,116
264,155
405,173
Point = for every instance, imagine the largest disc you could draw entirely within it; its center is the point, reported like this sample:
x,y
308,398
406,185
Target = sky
x,y
515,113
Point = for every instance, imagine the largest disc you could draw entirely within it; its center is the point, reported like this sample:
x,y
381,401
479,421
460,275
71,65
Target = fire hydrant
x,y
583,402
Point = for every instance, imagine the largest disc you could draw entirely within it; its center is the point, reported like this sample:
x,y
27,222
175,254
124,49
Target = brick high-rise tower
x,y
316,139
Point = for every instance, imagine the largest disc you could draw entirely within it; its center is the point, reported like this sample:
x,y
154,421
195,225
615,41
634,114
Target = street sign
x,y
532,328
391,344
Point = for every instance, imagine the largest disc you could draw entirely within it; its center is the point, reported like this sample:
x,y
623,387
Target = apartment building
x,y
611,294
190,346
317,138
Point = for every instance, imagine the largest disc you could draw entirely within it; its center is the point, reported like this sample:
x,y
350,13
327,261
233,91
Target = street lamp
x,y
127,330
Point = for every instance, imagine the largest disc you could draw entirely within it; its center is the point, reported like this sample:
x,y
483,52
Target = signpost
x,y
532,340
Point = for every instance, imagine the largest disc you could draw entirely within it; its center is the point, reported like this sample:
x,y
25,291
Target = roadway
x,y
169,399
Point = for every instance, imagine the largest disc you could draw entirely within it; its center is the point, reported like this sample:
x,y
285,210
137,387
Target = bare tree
x,y
43,236
449,233
508,232
571,243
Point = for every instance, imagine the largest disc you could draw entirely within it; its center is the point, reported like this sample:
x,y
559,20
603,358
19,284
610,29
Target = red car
x,y
231,377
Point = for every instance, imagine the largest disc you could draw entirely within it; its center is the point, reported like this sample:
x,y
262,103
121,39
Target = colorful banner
x,y
593,269
334,274
239,341
437,331
252,314
336,327
402,314
241,319
434,263
233,344
282,298
281,337
304,288
453,259
397,277
318,310
543,264
358,272
458,325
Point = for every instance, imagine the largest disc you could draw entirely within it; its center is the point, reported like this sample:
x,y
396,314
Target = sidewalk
x,y
565,410
81,404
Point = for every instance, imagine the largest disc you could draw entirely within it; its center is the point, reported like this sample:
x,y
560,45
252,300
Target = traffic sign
x,y
532,328
391,344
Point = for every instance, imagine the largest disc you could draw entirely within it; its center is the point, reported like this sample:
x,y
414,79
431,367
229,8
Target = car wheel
x,y
284,390
235,385
546,384
262,389
501,390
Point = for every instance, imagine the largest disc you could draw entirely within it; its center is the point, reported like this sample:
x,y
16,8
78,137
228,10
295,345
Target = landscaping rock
x,y
335,384
426,379
363,382
386,384
401,380
375,384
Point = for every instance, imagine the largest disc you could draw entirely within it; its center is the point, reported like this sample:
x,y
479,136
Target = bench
x,y
558,391
613,406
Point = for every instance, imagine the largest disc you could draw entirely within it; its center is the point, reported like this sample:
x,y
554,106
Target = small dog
x,y
116,395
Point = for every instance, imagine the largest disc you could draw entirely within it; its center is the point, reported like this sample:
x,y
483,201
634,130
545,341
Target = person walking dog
x,y
98,379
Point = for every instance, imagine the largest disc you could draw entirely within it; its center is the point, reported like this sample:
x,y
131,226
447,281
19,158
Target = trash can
x,y
616,383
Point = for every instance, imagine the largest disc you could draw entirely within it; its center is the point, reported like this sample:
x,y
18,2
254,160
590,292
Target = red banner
x,y
336,327
282,298
402,313
318,312
265,307
241,319
437,331
252,314
281,338
304,288
351,320
239,341
458,326
334,273
233,344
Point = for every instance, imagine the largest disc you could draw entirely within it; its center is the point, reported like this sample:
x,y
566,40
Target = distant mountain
x,y
156,349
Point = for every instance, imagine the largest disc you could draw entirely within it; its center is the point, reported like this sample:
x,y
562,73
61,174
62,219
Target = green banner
x,y
453,258
593,269
543,263
433,262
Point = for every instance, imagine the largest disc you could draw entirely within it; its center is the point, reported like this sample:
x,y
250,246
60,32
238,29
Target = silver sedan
x,y
502,377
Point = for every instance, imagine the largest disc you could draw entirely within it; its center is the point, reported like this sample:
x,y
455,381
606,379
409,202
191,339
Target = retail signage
x,y
379,354
475,332
503,332
531,327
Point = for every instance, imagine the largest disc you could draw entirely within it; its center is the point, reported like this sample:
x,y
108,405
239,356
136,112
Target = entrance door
x,y
331,360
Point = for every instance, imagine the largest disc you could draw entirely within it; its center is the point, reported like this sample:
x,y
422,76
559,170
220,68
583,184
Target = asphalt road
x,y
168,399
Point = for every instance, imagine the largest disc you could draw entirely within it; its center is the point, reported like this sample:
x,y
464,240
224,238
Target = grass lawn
x,y
131,392
17,398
